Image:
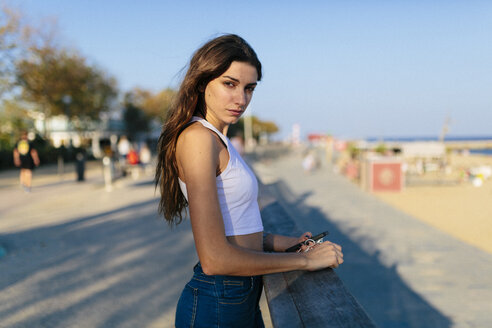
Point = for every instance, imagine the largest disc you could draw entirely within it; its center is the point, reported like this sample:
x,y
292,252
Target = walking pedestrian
x,y
25,157
145,157
198,168
124,147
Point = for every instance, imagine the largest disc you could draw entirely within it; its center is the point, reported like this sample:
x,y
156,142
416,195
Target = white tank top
x,y
237,189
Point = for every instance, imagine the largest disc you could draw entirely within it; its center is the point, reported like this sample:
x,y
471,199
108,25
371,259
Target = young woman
x,y
198,168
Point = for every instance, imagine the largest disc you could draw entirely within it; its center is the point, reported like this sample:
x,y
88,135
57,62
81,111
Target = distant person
x,y
145,156
199,168
132,157
25,157
123,147
310,162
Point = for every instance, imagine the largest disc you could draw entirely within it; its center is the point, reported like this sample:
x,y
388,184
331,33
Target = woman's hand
x,y
305,236
324,255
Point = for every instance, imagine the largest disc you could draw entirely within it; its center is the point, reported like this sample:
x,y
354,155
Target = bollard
x,y
80,166
108,173
61,166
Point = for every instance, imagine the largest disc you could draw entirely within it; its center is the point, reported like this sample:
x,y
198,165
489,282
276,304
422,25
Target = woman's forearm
x,y
237,261
278,243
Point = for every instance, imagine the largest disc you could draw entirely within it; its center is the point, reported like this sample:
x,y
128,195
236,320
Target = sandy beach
x,y
461,210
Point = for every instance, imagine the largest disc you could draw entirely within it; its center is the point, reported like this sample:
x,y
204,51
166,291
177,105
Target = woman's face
x,y
227,96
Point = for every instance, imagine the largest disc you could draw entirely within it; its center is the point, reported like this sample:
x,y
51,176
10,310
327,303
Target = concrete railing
x,y
307,299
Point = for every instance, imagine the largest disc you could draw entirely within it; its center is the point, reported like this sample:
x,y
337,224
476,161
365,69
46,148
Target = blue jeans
x,y
220,301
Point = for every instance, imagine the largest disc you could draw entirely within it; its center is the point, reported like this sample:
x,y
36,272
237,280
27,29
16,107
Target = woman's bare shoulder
x,y
194,134
194,140
196,153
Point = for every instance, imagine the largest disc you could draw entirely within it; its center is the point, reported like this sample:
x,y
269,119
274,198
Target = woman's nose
x,y
241,98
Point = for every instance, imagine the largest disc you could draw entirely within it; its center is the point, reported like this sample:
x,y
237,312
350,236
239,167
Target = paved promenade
x,y
79,256
403,272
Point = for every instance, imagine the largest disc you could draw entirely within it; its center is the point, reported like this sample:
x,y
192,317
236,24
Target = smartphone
x,y
299,245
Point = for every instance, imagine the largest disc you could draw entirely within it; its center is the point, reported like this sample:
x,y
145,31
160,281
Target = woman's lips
x,y
235,112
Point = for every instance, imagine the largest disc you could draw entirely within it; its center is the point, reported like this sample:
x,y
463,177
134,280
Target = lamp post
x,y
66,99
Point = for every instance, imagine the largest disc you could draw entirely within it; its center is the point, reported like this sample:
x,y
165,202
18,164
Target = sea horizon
x,y
485,151
429,138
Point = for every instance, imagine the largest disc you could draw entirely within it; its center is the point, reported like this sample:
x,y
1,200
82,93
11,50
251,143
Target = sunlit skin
x,y
201,156
228,96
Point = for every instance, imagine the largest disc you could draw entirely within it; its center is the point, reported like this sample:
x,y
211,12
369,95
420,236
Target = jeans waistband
x,y
218,278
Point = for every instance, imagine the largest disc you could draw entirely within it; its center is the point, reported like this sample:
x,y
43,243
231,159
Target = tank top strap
x,y
208,125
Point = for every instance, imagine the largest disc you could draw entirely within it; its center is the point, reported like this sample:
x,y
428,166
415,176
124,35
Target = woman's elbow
x,y
211,267
208,268
214,265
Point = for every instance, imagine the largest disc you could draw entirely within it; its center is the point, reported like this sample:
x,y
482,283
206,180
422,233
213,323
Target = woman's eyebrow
x,y
230,77
236,80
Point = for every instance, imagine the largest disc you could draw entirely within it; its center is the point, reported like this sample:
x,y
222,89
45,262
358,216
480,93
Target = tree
x,y
159,105
62,83
258,126
136,120
17,38
10,35
236,129
154,105
143,107
13,118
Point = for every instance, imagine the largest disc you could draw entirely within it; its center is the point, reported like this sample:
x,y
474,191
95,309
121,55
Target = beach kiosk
x,y
383,174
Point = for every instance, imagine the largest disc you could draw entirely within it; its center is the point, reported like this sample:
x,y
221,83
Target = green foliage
x,y
6,159
10,34
236,129
61,82
6,142
155,105
353,150
381,149
258,126
136,121
13,119
14,116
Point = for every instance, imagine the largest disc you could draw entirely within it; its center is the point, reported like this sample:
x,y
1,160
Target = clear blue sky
x,y
349,68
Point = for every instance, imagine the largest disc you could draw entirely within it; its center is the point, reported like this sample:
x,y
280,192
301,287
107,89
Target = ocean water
x,y
429,138
487,152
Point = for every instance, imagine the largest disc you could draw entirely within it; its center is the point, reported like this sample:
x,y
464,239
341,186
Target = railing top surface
x,y
307,299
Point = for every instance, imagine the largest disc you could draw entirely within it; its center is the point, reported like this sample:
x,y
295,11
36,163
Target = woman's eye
x,y
250,89
229,84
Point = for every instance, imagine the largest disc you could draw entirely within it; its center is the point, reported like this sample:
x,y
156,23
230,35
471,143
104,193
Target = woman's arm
x,y
279,243
197,152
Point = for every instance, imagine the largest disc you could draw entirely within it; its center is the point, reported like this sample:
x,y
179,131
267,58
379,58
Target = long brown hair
x,y
208,63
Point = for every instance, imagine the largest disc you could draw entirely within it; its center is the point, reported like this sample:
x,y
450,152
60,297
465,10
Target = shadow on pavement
x,y
120,268
378,288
